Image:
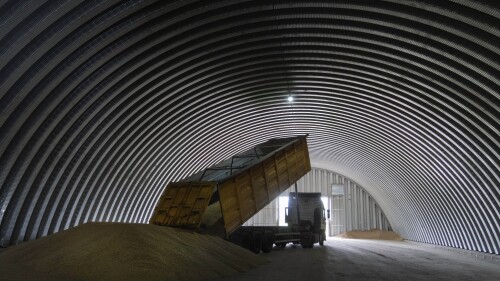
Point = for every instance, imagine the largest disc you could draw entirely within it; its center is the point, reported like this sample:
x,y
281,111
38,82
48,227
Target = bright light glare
x,y
290,98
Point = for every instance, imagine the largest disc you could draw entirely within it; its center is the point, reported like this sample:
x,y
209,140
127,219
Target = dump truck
x,y
220,199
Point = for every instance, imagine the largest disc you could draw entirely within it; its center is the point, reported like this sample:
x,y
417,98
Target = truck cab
x,y
306,214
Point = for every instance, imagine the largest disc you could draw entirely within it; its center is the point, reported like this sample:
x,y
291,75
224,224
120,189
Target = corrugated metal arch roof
x,y
104,102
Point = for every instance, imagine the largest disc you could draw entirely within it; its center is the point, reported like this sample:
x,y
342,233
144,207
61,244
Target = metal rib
x,y
104,102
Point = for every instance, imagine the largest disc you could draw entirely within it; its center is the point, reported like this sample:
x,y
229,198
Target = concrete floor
x,y
347,259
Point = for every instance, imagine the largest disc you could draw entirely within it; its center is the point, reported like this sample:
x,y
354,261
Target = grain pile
x,y
119,251
372,234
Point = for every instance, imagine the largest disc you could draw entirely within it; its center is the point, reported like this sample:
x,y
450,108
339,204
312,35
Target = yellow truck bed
x,y
243,185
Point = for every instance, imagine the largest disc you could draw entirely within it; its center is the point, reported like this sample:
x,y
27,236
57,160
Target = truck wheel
x,y
267,243
311,244
322,238
257,242
246,241
307,240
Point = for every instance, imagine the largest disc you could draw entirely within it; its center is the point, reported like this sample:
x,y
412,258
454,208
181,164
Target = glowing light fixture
x,y
290,99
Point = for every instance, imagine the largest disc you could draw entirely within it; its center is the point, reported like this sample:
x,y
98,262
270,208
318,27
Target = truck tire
x,y
256,242
307,240
246,241
267,242
322,237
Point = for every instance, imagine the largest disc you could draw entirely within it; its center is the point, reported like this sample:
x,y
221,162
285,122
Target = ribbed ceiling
x,y
104,102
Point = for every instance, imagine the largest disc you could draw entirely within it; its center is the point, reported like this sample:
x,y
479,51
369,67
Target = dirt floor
x,y
371,260
119,251
371,234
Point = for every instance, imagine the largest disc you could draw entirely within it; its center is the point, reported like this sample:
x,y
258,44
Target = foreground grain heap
x,y
371,234
119,251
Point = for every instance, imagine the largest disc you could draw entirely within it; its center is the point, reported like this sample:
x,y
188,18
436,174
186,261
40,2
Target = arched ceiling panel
x,y
105,102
